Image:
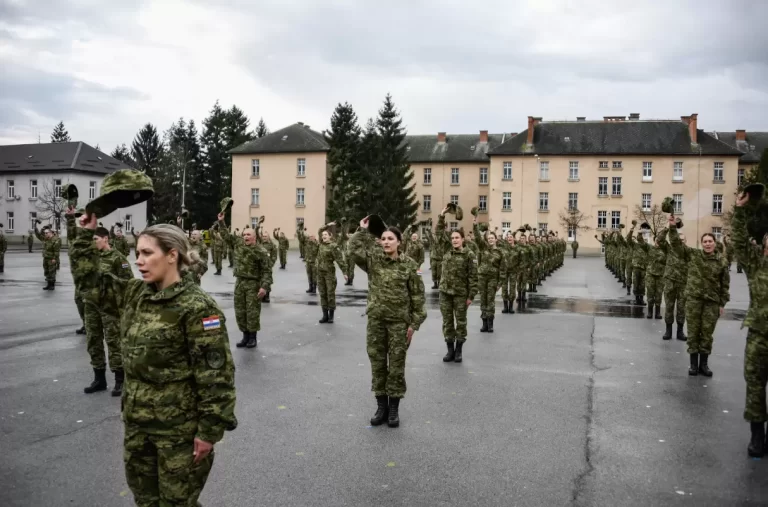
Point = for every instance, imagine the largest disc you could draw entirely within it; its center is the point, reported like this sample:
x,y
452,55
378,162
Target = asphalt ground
x,y
575,401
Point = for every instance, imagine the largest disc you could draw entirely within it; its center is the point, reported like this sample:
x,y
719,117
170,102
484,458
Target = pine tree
x,y
200,200
261,129
218,164
370,169
397,193
757,225
60,134
237,128
345,179
122,154
147,153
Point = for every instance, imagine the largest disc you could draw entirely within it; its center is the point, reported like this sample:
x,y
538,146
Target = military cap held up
x,y
666,205
755,191
376,225
69,192
226,204
121,189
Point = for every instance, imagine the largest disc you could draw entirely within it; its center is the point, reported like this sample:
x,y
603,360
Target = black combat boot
x,y
81,330
640,301
756,448
314,288
382,411
490,324
667,333
282,266
393,418
99,382
451,355
738,268
459,347
703,367
629,289
657,312
218,272
623,285
117,390
252,342
680,335
484,329
693,370
242,342
330,315
511,307
324,320
650,311
506,307
434,285
48,286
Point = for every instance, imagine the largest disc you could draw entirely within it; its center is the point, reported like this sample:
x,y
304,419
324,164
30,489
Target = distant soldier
x,y
57,243
118,241
302,237
3,248
271,249
282,245
509,284
79,302
414,248
492,269
575,247
328,253
200,266
30,240
311,246
218,246
435,257
657,262
675,279
50,254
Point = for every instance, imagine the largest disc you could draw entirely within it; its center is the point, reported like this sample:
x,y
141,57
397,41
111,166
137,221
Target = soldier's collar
x,y
172,291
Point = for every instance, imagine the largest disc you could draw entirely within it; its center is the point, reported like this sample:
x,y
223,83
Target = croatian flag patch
x,y
126,265
211,323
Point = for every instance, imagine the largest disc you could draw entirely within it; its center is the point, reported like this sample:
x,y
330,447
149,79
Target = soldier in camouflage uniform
x,y
471,243
629,252
706,293
491,271
328,253
266,242
458,286
179,393
200,267
79,303
3,249
754,258
509,283
30,240
51,247
657,262
311,246
435,257
639,265
218,246
396,309
282,246
523,274
230,244
302,238
118,241
730,251
675,279
414,248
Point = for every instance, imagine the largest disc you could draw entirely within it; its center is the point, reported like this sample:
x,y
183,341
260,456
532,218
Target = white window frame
x,y
602,219
483,175
573,170
255,197
10,220
718,172
453,226
717,204
91,190
647,171
617,164
455,199
677,203
255,223
10,186
300,197
426,203
645,202
506,226
544,227
33,189
482,203
544,170
677,171
454,175
571,233
573,201
717,232
300,220
615,219
506,171
543,201
616,184
32,219
427,176
602,185
128,223
301,167
740,176
255,168
506,201
603,164
57,188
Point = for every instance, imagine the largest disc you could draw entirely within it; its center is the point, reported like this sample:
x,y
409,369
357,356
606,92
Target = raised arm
x,y
471,276
416,300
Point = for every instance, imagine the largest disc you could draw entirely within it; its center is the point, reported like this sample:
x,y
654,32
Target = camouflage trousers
x,y
2,259
101,327
436,266
350,268
654,289
522,281
301,249
326,282
283,253
621,270
386,344
311,272
638,281
160,470
488,285
628,273
80,305
756,376
231,256
454,311
218,258
702,317
674,296
49,269
247,305
509,288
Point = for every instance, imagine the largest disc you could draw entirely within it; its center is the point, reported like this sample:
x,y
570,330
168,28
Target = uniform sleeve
x,y
122,268
471,276
360,249
662,239
421,254
38,235
725,286
674,241
482,245
266,271
417,300
746,253
338,257
502,267
71,229
214,371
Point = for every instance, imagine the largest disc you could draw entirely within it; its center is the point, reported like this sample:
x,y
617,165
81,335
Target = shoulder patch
x,y
215,359
211,323
126,265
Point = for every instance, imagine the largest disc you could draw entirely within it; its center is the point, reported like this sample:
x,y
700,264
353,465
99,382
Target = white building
x,y
32,177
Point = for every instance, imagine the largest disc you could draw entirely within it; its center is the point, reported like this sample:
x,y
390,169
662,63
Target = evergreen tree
x,y
757,225
147,153
199,188
370,169
345,181
218,164
261,129
60,134
237,128
397,193
122,154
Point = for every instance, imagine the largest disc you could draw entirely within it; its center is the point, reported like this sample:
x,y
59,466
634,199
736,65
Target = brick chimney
x,y
741,135
441,137
692,122
483,136
532,122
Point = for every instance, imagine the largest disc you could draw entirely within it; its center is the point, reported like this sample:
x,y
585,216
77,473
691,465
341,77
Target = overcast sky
x,y
452,66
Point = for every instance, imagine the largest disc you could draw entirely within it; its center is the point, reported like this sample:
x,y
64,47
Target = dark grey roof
x,y
757,139
613,138
296,138
456,148
59,157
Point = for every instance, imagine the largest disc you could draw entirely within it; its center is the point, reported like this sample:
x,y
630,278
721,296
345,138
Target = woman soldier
x,y
754,259
706,294
179,392
395,311
327,254
492,271
414,248
458,286
509,284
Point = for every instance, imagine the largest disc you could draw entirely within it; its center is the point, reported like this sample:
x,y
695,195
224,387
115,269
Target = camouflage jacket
x,y
640,253
492,262
310,250
179,373
512,256
676,267
252,262
414,250
327,254
119,243
3,243
282,242
525,261
630,245
271,249
201,267
657,261
755,264
459,273
51,246
708,277
395,289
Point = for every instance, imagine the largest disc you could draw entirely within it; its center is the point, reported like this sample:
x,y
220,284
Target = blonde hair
x,y
169,237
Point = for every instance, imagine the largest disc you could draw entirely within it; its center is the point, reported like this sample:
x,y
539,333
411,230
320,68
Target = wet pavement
x,y
574,401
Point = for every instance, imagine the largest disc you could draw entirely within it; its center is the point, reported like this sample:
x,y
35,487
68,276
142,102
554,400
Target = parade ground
x,y
575,401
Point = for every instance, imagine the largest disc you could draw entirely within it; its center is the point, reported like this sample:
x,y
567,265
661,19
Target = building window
x,y
427,203
718,171
717,204
255,223
602,186
128,223
615,219
427,175
717,232
617,164
647,171
544,171
543,201
454,176
543,227
602,219
483,175
455,200
507,171
572,229
573,201
11,189
677,171
57,188
573,171
299,197
646,202
506,200
9,221
603,164
740,177
677,200
92,190
482,204
301,167
255,169
453,225
33,189
505,226
32,219
254,197
616,187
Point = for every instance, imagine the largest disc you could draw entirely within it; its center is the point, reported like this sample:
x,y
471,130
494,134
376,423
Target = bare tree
x,y
656,218
571,218
50,205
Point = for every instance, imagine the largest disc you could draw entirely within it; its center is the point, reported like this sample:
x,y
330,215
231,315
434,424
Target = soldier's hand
x,y
70,210
220,216
742,199
409,336
89,221
202,450
469,302
671,219
722,311
364,223
261,293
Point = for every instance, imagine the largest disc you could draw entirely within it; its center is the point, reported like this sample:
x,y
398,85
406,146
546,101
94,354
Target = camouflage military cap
x,y
376,225
79,212
666,205
755,191
483,226
678,223
645,225
69,192
121,189
473,211
226,204
621,226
